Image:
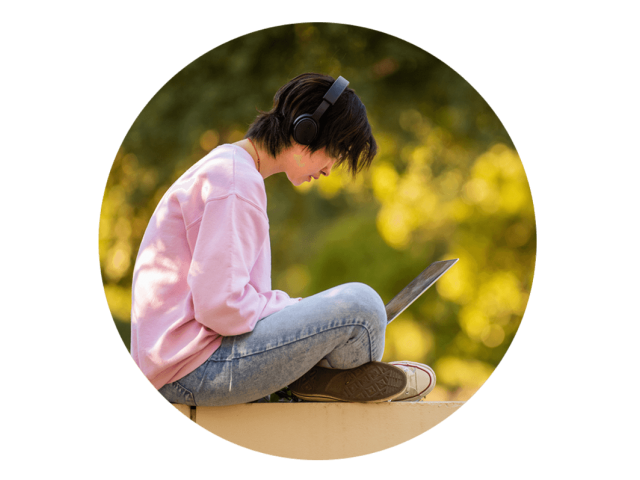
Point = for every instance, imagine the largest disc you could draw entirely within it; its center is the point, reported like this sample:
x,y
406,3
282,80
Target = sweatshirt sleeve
x,y
232,233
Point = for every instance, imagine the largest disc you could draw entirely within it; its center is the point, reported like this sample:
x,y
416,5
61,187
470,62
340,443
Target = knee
x,y
367,303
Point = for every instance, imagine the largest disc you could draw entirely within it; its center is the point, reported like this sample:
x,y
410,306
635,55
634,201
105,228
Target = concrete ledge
x,y
320,431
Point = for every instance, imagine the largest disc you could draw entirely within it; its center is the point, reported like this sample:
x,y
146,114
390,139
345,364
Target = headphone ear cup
x,y
305,129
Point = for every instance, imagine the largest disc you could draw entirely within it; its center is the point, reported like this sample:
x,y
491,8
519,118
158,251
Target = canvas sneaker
x,y
420,381
371,382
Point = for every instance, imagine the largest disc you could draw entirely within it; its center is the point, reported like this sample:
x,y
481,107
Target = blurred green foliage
x,y
447,183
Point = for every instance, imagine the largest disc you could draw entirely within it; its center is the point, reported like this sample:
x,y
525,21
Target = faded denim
x,y
342,327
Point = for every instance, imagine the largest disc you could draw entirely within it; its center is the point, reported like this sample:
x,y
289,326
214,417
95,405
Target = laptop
x,y
417,287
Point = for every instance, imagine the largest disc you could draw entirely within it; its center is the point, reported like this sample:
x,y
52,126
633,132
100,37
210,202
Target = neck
x,y
268,164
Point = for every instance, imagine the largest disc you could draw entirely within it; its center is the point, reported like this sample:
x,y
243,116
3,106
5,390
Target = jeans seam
x,y
179,385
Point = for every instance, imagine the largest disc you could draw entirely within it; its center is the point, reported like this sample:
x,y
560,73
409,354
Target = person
x,y
206,326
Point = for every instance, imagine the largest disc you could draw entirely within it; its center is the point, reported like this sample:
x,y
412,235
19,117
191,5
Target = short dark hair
x,y
344,129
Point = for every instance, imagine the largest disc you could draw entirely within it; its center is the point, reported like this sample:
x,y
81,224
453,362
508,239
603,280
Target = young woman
x,y
206,327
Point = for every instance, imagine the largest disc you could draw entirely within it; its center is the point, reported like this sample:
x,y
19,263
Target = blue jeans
x,y
342,327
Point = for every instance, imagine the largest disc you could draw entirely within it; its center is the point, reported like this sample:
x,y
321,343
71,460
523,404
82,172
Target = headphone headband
x,y
336,90
306,127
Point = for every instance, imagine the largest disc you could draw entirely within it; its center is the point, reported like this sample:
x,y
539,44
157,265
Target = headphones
x,y
306,126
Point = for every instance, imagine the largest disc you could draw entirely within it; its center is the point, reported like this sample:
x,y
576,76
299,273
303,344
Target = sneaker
x,y
420,381
371,382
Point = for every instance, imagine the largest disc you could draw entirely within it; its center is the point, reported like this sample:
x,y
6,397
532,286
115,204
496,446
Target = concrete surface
x,y
320,431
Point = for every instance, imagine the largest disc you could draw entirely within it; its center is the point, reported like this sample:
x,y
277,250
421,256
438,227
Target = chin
x,y
295,182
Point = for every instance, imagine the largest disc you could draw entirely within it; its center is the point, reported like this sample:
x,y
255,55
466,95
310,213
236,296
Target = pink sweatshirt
x,y
203,270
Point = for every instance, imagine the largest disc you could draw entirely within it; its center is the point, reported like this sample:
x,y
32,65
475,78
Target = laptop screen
x,y
417,287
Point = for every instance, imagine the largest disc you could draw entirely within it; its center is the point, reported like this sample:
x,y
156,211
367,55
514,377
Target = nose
x,y
327,170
